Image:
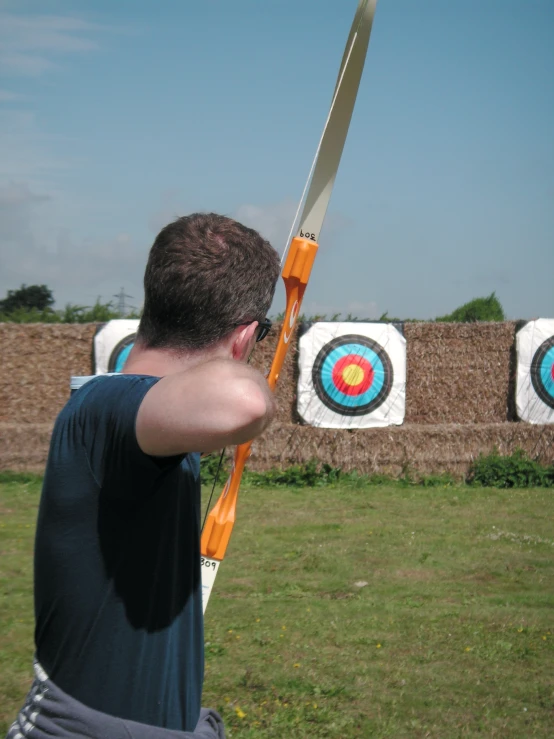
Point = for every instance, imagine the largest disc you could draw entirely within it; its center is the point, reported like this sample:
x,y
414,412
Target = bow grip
x,y
300,260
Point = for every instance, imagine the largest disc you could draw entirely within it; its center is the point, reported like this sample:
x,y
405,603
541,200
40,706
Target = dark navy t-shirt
x,y
118,597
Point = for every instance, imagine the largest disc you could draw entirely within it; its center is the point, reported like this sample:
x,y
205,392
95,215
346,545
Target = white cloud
x,y
25,153
7,96
28,43
16,195
273,221
17,206
169,209
75,269
37,244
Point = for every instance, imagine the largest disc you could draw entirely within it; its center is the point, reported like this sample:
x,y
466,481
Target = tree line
x,y
33,304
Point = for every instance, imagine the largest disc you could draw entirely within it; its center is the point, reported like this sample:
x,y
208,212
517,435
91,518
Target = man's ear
x,y
244,340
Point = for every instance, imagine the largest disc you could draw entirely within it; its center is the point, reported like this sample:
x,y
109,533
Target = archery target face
x,y
119,355
535,373
113,343
352,375
542,372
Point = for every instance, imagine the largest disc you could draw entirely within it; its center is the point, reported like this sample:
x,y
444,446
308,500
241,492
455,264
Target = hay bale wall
x,y
459,373
458,401
36,362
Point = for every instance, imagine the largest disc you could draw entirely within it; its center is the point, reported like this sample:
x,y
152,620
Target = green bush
x,y
514,471
213,468
314,474
97,313
30,315
30,297
310,474
491,470
479,309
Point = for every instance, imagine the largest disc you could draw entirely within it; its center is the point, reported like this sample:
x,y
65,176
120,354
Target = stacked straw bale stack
x,y
459,402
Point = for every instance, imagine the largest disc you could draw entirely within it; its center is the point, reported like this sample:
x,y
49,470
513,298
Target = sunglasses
x,y
264,327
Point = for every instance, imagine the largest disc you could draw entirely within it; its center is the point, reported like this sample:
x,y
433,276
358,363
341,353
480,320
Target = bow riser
x,y
296,273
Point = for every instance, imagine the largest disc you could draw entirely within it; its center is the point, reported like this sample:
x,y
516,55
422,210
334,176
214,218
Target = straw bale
x,y
24,446
459,373
36,362
418,448
459,401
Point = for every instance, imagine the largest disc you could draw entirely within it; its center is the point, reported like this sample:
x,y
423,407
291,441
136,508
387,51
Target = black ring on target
x,y
372,369
542,372
121,351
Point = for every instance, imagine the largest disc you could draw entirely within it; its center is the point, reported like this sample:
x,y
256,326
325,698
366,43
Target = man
x,y
118,604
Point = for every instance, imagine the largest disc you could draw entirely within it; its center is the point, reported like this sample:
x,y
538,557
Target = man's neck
x,y
162,362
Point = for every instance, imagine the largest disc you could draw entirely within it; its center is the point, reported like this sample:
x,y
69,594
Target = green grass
x,y
356,611
19,495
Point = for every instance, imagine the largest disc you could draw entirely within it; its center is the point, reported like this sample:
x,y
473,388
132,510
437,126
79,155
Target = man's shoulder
x,y
99,421
112,388
110,400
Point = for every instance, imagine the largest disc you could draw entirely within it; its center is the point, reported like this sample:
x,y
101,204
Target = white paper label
x,y
208,571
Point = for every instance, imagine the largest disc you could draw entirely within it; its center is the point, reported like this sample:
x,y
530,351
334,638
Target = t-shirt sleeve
x,y
107,418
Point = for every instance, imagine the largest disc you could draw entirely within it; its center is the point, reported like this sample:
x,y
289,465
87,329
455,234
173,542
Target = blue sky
x,y
115,117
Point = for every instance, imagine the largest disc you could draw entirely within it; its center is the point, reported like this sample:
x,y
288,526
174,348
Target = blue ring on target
x,y
542,372
121,351
368,350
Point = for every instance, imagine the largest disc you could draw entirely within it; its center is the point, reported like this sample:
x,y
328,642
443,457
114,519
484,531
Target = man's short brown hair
x,y
205,275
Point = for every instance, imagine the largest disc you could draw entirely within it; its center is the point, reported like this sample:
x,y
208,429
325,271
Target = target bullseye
x,y
352,375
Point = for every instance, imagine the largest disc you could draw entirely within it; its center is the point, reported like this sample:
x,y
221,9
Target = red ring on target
x,y
348,368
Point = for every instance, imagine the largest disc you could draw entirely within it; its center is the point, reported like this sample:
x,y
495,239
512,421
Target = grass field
x,y
376,611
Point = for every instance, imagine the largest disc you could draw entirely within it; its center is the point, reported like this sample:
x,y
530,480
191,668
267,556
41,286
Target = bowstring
x,y
216,478
219,466
314,161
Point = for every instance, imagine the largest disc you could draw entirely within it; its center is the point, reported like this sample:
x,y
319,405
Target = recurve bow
x,y
298,261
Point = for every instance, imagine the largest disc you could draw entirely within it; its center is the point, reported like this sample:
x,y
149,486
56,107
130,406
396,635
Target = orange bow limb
x,y
220,522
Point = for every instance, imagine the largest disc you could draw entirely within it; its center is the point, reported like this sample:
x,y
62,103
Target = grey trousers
x,y
49,713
